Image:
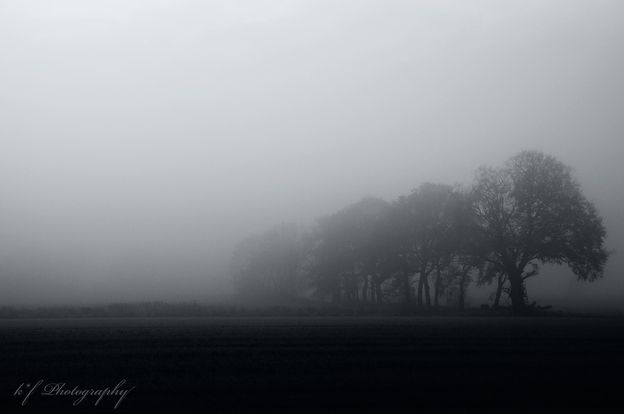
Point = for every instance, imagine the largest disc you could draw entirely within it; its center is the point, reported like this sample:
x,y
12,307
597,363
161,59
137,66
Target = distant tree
x,y
345,261
268,266
465,245
422,222
532,211
386,255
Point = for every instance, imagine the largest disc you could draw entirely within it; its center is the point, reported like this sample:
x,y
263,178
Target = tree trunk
x,y
421,282
499,290
516,292
406,286
437,287
427,291
379,294
355,293
461,300
365,289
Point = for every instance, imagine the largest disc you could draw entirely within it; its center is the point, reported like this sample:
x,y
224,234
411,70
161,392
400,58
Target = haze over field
x,y
140,140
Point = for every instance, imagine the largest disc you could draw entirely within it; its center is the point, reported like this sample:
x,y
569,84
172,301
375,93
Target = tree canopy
x,y
426,247
532,211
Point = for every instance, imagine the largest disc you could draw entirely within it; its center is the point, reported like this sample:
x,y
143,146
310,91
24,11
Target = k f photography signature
x,y
27,391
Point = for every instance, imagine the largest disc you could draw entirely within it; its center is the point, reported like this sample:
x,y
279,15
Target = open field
x,y
331,364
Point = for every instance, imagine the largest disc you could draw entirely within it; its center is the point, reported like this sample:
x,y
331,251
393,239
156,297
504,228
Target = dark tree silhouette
x,y
465,245
430,244
532,211
423,222
491,273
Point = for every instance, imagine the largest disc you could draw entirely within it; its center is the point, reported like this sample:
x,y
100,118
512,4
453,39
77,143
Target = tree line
x,y
428,247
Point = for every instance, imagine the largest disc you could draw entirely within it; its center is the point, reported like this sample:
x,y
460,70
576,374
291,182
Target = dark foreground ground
x,y
324,365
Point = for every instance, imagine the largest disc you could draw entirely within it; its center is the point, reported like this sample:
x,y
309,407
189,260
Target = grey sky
x,y
139,140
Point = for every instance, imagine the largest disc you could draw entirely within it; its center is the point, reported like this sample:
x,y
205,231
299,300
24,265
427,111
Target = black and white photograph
x,y
311,206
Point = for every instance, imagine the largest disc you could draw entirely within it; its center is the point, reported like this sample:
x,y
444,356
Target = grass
x,y
322,364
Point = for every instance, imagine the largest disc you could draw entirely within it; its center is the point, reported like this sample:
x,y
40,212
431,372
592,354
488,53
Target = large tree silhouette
x,y
532,211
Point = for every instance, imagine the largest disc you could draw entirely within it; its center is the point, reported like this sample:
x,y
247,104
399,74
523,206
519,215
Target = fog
x,y
141,140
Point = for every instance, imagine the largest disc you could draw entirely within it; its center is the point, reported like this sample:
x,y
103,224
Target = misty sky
x,y
141,139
